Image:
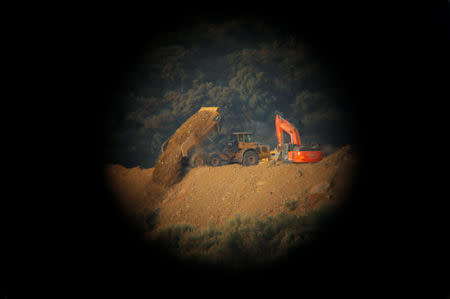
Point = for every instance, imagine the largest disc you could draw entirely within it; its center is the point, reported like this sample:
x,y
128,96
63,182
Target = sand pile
x,y
168,168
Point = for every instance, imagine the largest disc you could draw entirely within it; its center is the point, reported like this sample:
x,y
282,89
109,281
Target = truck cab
x,y
244,140
243,144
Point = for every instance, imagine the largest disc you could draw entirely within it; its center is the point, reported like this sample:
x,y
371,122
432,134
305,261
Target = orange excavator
x,y
293,151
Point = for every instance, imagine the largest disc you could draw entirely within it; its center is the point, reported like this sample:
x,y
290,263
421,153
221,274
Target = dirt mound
x,y
213,195
168,168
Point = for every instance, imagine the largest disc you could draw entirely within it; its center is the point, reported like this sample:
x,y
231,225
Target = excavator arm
x,y
282,125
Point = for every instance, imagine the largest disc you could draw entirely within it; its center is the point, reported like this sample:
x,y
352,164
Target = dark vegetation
x,y
249,241
249,70
243,242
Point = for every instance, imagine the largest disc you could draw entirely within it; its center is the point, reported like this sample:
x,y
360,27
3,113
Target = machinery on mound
x,y
293,151
240,148
183,147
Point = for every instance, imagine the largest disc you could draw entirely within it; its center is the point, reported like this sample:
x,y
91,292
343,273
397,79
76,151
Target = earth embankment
x,y
213,195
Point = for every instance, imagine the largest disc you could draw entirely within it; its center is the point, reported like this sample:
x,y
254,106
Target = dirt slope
x,y
133,187
208,195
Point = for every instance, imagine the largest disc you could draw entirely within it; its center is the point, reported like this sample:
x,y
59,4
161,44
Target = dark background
x,y
81,244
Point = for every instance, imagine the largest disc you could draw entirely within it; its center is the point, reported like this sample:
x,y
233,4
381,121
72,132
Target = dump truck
x,y
197,131
240,148
168,169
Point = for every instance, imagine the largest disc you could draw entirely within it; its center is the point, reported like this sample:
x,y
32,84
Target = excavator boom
x,y
281,125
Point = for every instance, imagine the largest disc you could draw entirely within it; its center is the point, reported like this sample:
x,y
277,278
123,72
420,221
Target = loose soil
x,y
212,195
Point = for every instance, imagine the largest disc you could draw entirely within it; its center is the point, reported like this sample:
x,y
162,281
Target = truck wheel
x,y
250,158
215,160
197,160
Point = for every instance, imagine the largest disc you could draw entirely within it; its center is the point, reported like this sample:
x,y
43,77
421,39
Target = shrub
x,y
145,219
173,236
242,241
290,204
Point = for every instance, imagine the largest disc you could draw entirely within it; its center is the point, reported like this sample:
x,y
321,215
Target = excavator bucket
x,y
276,155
